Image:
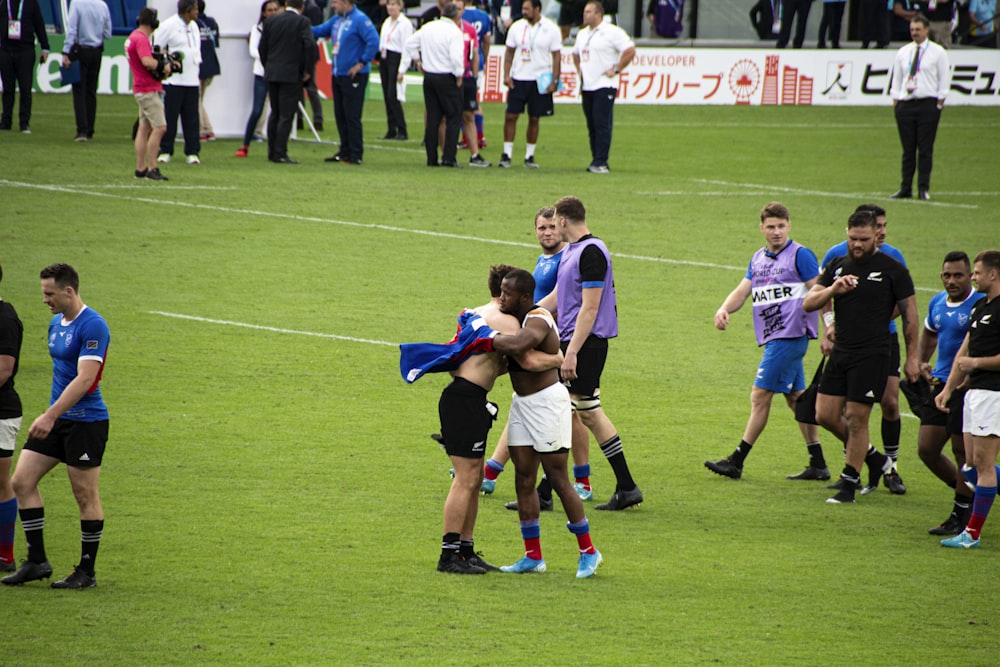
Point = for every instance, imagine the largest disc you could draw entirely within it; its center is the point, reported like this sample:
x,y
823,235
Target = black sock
x,y
851,475
816,459
90,540
962,506
615,455
874,458
545,489
740,453
450,545
32,521
467,549
890,437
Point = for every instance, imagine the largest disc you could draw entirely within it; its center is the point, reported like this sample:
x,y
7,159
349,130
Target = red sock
x,y
975,526
585,481
585,544
533,548
490,473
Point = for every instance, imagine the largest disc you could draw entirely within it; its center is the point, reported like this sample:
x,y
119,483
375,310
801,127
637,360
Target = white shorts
x,y
981,416
543,420
8,433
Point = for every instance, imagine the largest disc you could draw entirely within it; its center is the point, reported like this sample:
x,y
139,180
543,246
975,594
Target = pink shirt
x,y
137,47
471,38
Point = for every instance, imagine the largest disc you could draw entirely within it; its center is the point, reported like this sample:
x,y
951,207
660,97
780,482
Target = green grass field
x,y
273,498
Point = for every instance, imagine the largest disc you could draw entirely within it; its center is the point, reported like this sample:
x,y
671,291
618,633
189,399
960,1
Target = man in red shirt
x,y
146,76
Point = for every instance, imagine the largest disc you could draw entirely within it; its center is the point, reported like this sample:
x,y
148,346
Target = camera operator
x,y
148,94
180,37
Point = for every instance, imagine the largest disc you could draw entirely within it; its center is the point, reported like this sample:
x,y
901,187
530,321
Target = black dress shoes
x,y
901,194
284,160
923,194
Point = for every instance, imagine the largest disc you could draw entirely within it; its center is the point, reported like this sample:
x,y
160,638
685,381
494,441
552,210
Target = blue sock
x,y
530,529
581,471
581,527
479,125
971,475
494,466
8,521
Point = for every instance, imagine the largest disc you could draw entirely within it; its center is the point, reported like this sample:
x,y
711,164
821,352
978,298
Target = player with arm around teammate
x,y
979,360
539,427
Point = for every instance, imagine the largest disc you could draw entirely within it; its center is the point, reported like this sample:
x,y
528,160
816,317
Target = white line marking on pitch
x,y
818,193
361,225
259,327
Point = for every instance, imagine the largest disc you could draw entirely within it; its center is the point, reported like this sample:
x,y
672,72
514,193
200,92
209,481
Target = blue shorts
x,y
780,368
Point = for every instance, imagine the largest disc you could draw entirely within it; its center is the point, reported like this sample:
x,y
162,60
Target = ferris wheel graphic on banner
x,y
744,79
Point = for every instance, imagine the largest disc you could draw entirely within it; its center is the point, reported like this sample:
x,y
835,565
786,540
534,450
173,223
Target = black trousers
x,y
917,122
182,101
284,103
599,110
443,99
833,17
85,90
395,120
315,101
799,11
348,104
874,24
17,67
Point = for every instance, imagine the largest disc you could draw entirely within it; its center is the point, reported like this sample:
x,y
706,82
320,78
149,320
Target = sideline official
x,y
88,25
439,47
22,23
920,80
355,45
601,52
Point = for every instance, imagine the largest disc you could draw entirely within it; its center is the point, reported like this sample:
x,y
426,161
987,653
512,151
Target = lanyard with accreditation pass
x,y
526,50
585,51
14,25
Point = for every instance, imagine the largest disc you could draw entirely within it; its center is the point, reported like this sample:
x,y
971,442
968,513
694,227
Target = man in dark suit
x,y
288,53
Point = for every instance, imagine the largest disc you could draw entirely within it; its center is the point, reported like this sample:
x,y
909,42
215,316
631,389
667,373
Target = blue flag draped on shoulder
x,y
473,336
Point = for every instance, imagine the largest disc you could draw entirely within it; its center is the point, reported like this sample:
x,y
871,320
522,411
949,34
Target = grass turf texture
x,y
273,497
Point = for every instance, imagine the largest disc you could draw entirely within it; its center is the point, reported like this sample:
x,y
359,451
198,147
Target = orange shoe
x,y
242,152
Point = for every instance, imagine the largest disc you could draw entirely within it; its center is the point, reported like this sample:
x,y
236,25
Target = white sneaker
x,y
164,158
193,159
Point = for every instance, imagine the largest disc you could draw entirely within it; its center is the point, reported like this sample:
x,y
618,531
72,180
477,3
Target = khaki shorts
x,y
151,109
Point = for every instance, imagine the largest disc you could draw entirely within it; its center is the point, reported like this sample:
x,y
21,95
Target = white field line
x,y
346,223
838,195
259,327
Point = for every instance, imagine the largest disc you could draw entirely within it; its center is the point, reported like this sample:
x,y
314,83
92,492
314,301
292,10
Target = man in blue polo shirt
x,y
355,44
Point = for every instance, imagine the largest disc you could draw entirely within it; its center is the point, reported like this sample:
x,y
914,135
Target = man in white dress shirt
x,y
920,81
180,35
601,52
439,48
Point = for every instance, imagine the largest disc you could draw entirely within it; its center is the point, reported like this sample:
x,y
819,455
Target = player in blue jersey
x,y
978,362
11,333
891,425
74,430
945,327
483,24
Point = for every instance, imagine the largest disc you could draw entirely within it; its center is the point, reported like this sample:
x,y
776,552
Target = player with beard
x,y
866,287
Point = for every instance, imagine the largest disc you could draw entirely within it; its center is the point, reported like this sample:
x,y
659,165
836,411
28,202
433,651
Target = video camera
x,y
164,58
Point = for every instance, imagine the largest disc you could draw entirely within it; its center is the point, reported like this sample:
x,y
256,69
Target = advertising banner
x,y
799,77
